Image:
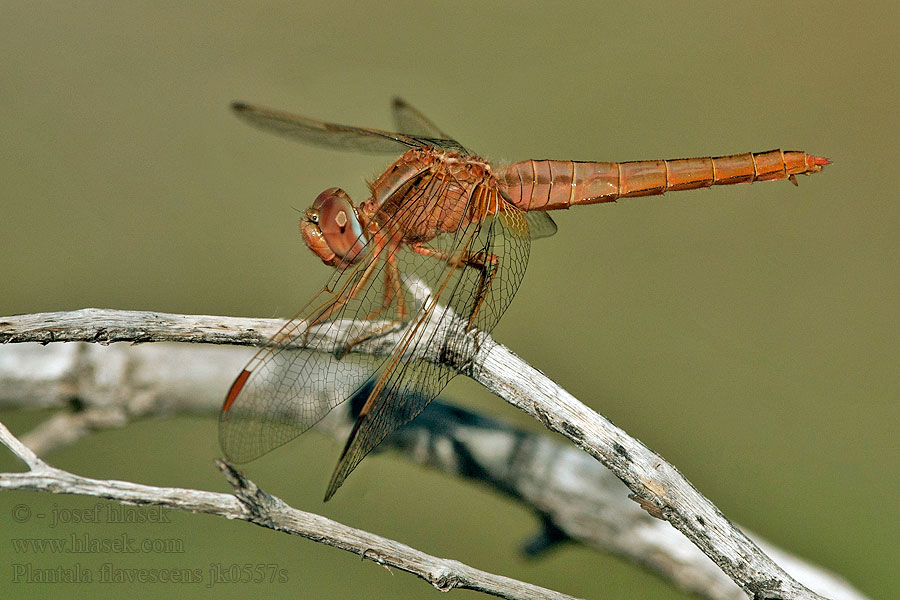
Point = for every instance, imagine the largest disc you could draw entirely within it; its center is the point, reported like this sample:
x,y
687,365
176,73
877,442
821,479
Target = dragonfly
x,y
441,219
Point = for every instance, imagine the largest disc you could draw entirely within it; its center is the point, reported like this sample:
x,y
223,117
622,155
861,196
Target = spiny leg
x,y
392,290
484,286
475,260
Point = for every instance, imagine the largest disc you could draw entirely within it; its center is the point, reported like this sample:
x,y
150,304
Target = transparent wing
x,y
284,390
333,135
464,297
409,120
540,224
412,122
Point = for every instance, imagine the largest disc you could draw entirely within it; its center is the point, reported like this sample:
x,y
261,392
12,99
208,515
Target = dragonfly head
x,y
333,230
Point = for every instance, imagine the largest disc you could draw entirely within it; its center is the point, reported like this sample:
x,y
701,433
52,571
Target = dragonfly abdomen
x,y
556,184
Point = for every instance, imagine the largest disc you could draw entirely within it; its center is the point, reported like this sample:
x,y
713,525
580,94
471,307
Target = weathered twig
x,y
106,326
575,497
655,484
249,503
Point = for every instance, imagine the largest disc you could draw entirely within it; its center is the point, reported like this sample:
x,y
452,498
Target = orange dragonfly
x,y
442,219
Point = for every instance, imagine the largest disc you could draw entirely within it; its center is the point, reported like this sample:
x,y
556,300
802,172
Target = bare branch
x,y
656,485
104,326
256,506
575,497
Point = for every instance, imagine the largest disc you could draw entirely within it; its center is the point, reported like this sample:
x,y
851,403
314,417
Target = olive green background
x,y
749,334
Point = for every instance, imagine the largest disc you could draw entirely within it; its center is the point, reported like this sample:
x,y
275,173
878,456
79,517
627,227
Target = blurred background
x,y
749,334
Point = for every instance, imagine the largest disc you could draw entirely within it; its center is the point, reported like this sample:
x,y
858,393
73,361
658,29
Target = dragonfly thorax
x,y
332,228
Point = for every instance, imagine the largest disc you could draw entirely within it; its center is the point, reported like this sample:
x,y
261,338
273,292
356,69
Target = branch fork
x,y
656,486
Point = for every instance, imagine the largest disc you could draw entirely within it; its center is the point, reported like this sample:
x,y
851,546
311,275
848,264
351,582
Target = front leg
x,y
393,290
487,264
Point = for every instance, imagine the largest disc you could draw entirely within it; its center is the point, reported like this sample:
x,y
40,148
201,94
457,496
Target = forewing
x,y
460,297
285,389
411,121
332,135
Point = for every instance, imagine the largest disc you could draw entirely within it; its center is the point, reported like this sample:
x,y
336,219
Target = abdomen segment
x,y
556,184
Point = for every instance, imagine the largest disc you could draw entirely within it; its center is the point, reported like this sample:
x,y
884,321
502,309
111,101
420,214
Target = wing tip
x,y
239,106
337,480
328,494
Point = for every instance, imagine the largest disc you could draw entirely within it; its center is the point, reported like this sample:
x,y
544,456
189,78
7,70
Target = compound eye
x,y
339,224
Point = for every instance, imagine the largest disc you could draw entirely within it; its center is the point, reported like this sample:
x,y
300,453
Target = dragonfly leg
x,y
481,260
392,290
487,264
